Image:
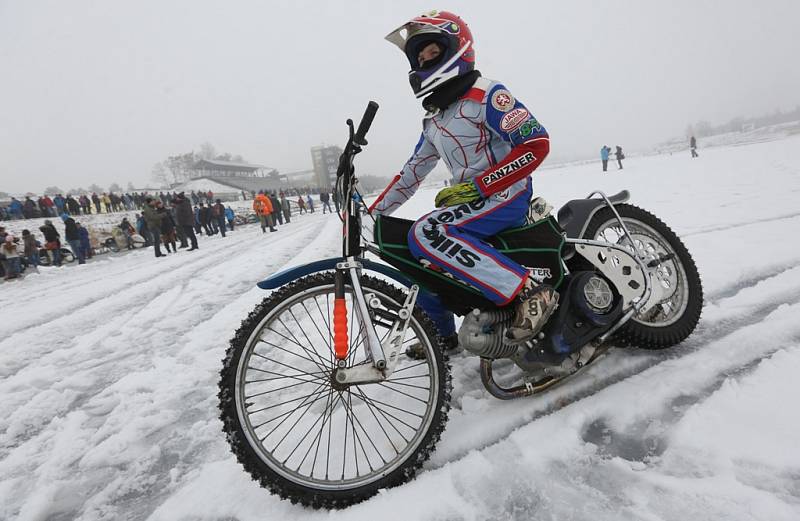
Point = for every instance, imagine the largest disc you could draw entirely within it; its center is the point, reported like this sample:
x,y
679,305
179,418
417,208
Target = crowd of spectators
x,y
173,221
87,204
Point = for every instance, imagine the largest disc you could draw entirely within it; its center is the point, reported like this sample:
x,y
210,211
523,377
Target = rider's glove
x,y
460,193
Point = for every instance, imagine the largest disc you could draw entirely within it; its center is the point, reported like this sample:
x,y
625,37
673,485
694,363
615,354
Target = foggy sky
x,y
100,91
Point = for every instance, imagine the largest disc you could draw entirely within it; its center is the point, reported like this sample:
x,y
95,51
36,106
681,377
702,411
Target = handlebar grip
x,y
366,122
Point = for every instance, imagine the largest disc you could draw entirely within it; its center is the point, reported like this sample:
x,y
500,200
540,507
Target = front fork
x,y
384,356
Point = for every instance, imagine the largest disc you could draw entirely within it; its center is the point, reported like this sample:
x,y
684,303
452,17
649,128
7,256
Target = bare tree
x,y
207,151
53,190
115,188
96,188
160,175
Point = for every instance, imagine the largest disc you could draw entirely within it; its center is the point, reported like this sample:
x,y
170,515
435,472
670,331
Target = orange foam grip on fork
x,y
340,328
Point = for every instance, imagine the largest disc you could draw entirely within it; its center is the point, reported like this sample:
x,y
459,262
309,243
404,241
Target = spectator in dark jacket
x,y
85,244
52,242
31,248
185,219
325,199
276,206
167,227
153,220
218,214
205,219
73,238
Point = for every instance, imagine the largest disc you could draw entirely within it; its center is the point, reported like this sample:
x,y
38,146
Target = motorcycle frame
x,y
353,262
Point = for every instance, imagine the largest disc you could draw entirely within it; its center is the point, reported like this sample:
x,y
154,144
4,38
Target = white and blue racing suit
x,y
489,138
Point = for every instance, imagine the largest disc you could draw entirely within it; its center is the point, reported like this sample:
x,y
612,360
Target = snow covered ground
x,y
108,377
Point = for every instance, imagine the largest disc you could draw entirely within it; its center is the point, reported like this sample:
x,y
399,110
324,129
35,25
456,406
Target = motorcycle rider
x,y
491,144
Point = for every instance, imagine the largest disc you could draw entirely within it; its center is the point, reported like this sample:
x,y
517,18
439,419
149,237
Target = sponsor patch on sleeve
x,y
513,119
502,100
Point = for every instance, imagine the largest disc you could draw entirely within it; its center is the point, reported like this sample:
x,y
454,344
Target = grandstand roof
x,y
215,184
216,164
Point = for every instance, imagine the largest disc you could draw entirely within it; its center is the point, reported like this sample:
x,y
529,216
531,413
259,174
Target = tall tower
x,y
325,160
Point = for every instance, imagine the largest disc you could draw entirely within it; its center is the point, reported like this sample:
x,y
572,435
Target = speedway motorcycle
x,y
319,397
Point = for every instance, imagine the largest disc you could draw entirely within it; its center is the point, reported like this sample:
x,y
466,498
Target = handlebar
x,y
366,122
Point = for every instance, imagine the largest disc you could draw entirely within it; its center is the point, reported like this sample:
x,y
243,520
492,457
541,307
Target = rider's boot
x,y
535,305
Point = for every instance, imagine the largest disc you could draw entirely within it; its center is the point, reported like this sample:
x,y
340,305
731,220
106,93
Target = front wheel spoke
x,y
298,344
396,408
300,371
371,410
383,384
307,408
386,415
329,406
426,375
279,389
302,330
407,385
298,355
366,434
283,414
290,401
321,416
324,338
281,376
410,367
326,321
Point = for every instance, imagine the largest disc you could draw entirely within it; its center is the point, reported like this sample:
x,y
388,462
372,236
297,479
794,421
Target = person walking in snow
x,y
153,220
184,217
301,204
73,238
276,208
263,208
286,207
230,216
52,242
693,147
30,248
325,199
604,152
85,244
167,227
310,203
620,157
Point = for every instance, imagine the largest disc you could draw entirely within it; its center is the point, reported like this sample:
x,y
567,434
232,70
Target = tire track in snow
x,y
140,273
723,227
91,346
597,377
187,400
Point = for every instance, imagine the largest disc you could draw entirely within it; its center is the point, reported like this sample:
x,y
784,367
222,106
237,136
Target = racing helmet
x,y
454,39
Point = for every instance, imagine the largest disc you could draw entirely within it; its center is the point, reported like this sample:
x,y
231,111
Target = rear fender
x,y
291,274
575,215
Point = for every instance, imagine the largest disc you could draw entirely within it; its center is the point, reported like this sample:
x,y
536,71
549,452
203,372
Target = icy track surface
x,y
108,377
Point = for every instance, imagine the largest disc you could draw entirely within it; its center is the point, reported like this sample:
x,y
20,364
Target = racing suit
x,y
487,137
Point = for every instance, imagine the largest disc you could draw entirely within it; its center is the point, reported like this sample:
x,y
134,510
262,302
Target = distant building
x,y
230,178
326,161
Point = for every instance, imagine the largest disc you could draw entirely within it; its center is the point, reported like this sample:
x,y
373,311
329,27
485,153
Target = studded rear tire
x,y
653,331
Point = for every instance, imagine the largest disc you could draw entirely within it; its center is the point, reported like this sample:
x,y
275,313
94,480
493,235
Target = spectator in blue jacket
x,y
15,209
85,244
230,216
604,152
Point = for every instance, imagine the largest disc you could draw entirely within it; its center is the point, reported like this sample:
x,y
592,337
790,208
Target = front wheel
x,y
303,436
676,315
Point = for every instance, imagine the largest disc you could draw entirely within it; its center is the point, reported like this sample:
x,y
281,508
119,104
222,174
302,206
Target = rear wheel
x,y
676,315
308,439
